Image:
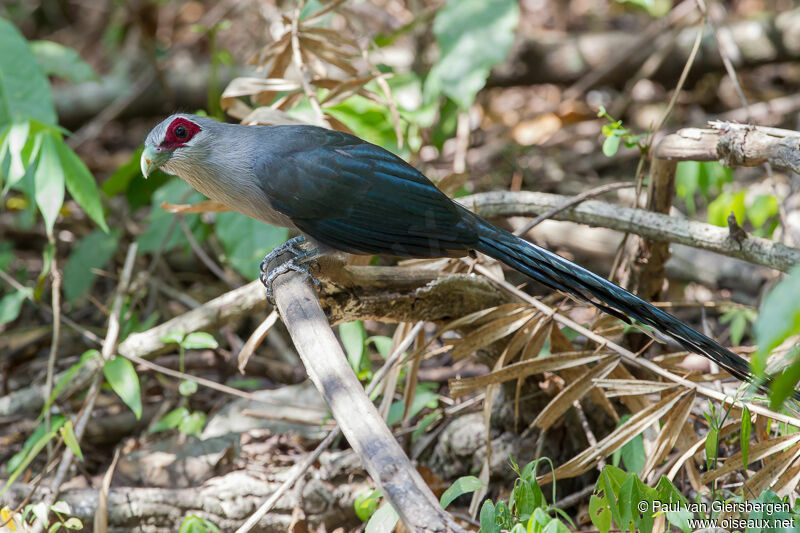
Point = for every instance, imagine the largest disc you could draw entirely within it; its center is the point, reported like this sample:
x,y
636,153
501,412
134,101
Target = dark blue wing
x,y
358,197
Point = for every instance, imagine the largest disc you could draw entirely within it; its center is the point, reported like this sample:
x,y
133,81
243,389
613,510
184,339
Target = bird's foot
x,y
301,262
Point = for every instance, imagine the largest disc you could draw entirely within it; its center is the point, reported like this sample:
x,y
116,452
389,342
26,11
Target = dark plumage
x,y
356,197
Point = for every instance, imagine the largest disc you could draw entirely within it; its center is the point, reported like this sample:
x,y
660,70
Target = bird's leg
x,y
301,262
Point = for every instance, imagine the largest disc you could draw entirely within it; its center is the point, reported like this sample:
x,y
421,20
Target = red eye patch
x,y
179,132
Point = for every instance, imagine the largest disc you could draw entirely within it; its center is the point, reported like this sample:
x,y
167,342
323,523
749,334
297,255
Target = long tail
x,y
557,273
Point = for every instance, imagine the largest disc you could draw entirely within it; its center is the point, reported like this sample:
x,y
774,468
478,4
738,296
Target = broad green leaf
x,y
600,513
14,162
73,522
611,145
784,383
24,89
633,454
744,436
68,434
778,318
11,305
488,518
383,344
193,424
461,486
170,420
81,185
62,61
353,336
247,241
473,36
93,251
125,382
668,493
721,208
368,120
555,526
199,340
383,520
762,209
49,180
366,504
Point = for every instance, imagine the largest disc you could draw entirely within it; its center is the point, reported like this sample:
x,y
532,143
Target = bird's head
x,y
178,140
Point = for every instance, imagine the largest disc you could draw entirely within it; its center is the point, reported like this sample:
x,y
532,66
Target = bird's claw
x,y
301,262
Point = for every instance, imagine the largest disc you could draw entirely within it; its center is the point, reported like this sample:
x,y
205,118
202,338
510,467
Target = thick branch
x,y
358,418
653,226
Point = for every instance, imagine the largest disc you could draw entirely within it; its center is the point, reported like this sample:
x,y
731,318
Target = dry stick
x,y
55,291
653,226
575,200
300,468
630,356
202,255
358,418
109,344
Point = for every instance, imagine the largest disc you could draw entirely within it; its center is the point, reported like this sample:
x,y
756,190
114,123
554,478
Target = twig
x,y
202,255
55,298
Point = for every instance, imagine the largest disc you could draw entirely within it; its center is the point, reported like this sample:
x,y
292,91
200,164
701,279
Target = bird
x,y
344,193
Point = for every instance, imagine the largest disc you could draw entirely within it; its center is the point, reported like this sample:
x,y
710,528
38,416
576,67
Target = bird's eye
x,y
180,132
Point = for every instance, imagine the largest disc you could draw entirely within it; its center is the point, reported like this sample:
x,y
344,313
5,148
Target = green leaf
x,y
744,436
64,380
33,451
712,440
778,318
49,180
170,420
353,336
366,504
62,61
13,159
173,337
762,209
461,486
193,424
487,518
24,89
611,145
599,513
68,434
633,454
247,241
125,382
11,304
91,252
199,340
383,520
473,36
55,423
383,344
721,208
784,383
80,184
187,387
196,524
73,522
